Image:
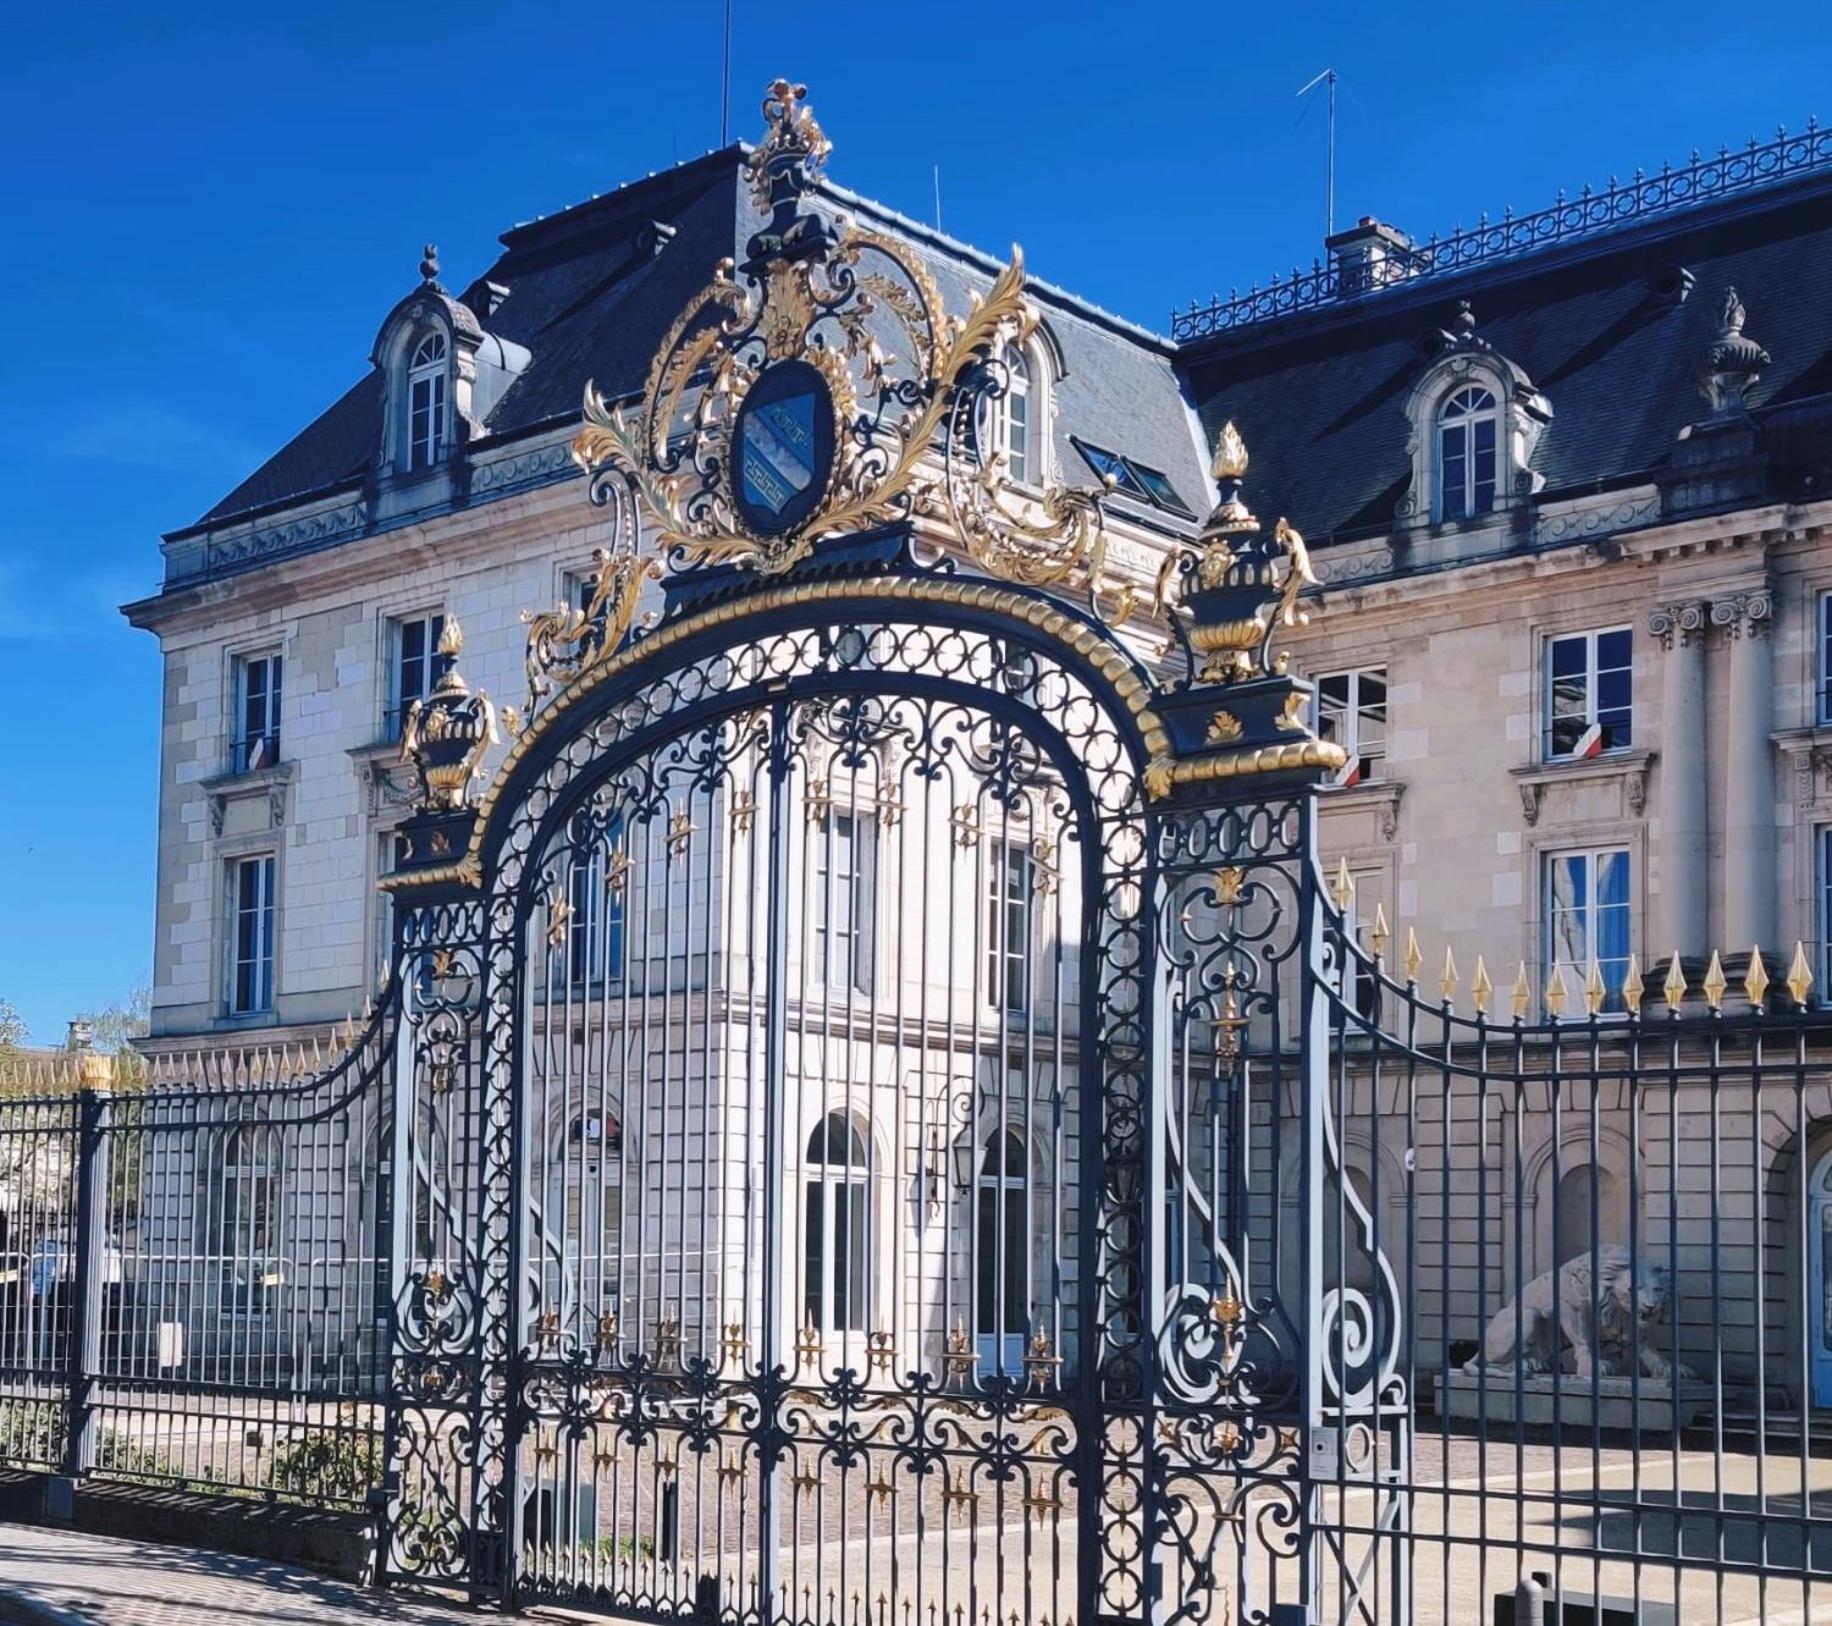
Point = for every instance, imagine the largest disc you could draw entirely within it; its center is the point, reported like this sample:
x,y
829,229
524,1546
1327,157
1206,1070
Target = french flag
x,y
1590,742
1349,774
257,754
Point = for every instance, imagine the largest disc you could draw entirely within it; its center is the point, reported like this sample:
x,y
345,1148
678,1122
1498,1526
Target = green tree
x,y
116,1025
12,1028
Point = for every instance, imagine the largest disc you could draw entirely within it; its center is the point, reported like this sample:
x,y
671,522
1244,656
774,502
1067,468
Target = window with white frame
x,y
1352,711
426,387
1011,883
1002,1254
596,883
255,737
1587,920
416,664
1825,914
1469,426
248,1270
836,1228
1008,421
844,852
1589,693
251,935
1825,657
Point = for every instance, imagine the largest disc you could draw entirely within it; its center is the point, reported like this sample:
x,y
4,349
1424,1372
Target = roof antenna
x,y
938,197
725,83
1328,77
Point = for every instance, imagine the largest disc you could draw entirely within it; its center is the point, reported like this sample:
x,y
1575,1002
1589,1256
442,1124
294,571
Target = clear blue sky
x,y
208,209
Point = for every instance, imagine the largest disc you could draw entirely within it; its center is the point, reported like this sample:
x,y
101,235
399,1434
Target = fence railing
x,y
1593,210
192,1289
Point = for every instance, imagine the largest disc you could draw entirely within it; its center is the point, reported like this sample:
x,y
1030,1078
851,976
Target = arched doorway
x,y
1819,1311
1002,1254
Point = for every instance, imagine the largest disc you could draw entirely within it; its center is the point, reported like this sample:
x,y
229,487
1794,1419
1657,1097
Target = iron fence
x,y
191,1287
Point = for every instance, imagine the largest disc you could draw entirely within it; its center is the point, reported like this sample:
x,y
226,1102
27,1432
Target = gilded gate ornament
x,y
446,735
820,387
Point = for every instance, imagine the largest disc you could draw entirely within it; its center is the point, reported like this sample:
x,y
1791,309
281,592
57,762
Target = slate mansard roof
x,y
592,290
1320,395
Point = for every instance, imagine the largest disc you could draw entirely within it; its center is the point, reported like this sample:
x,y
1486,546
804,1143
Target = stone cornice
x,y
1632,767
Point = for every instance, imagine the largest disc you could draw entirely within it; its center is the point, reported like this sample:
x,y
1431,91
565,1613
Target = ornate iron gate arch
x,y
757,1262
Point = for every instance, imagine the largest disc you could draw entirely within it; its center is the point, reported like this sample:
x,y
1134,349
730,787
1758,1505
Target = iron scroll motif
x,y
808,391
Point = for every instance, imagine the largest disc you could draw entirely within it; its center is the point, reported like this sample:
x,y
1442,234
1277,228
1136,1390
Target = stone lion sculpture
x,y
1595,1316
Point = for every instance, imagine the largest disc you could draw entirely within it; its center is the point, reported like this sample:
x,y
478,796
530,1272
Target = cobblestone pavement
x,y
68,1578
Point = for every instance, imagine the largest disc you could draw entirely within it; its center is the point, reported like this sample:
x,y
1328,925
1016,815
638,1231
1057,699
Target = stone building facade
x,y
1566,507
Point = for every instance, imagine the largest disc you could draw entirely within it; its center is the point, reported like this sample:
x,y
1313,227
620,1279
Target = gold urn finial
x,y
446,735
1230,454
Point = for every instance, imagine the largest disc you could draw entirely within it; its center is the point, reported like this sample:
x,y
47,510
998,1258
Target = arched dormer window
x,y
427,372
1468,437
1475,419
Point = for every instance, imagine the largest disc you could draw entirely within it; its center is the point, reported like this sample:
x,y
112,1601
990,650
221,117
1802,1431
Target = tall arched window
x,y
1009,425
836,1257
1001,1254
245,1229
1468,427
426,402
585,1190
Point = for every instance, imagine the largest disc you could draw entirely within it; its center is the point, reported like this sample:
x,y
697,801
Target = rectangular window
x,y
255,739
1587,921
596,887
1589,693
426,411
1825,914
845,850
1825,657
417,665
1010,884
1352,711
251,965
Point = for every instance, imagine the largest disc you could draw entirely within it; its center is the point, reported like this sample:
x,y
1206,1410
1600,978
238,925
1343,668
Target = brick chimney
x,y
1371,254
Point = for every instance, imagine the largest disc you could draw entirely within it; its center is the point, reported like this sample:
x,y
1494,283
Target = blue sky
x,y
208,210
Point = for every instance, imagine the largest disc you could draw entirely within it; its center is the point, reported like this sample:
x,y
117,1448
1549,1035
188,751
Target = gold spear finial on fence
x,y
1381,932
1414,959
1556,991
1799,975
1523,993
1595,989
1343,889
1715,981
1481,988
1633,988
1674,989
1755,980
1447,981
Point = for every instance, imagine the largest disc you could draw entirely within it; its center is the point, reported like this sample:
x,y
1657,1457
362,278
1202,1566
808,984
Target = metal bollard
x,y
1530,1601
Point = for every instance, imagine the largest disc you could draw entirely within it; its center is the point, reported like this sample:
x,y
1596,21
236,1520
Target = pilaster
x,y
1745,619
1682,802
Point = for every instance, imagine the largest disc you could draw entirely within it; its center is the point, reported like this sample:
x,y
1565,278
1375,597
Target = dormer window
x,y
1476,419
426,392
1468,429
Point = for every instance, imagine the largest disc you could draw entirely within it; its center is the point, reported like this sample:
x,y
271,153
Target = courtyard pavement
x,y
68,1578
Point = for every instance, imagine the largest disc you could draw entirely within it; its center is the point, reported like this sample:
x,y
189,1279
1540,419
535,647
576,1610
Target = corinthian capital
x,y
1677,625
1744,615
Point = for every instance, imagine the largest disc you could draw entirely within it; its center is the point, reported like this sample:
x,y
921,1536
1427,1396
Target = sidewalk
x,y
64,1578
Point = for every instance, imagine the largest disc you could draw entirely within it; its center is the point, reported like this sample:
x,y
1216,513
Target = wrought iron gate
x,y
891,1126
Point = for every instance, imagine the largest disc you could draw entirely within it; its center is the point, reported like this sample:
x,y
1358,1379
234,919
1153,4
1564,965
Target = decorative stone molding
x,y
527,468
295,536
1677,625
1744,615
1631,767
387,781
1579,521
271,783
1807,755
1381,795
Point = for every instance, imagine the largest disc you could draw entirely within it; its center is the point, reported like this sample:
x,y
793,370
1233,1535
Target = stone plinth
x,y
1612,1403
